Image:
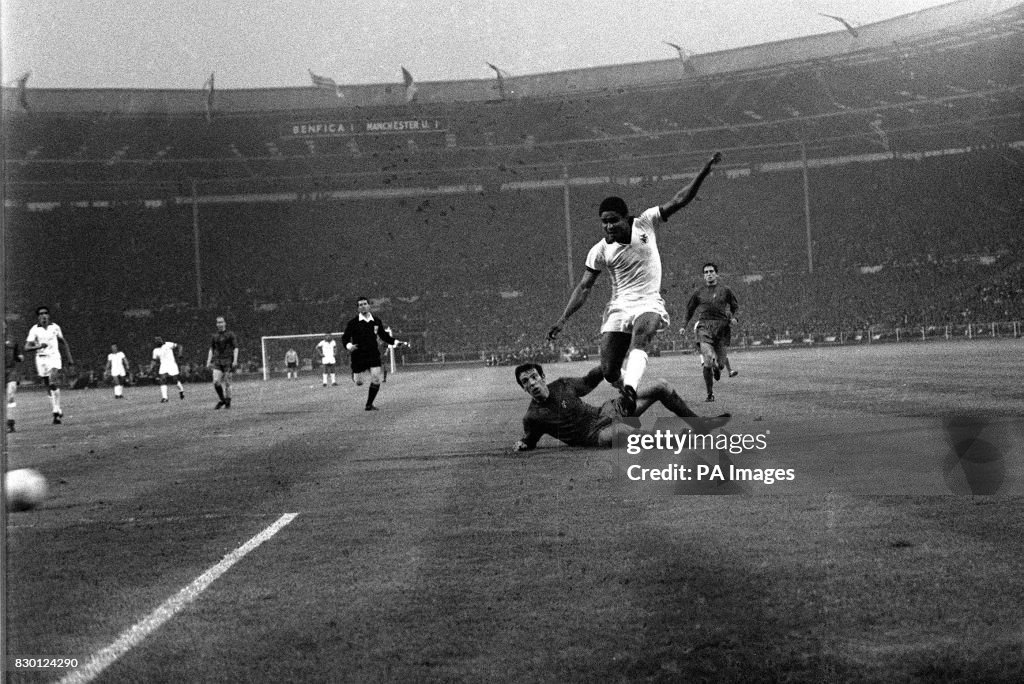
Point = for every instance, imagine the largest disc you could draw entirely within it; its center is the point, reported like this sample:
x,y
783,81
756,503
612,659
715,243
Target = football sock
x,y
636,364
372,394
55,400
709,379
334,379
163,391
220,391
117,390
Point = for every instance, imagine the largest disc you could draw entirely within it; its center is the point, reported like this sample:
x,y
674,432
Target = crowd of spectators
x,y
905,243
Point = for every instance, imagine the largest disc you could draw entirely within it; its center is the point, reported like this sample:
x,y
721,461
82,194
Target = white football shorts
x,y
620,316
45,364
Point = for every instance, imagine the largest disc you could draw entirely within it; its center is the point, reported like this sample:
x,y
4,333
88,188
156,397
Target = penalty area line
x,y
132,637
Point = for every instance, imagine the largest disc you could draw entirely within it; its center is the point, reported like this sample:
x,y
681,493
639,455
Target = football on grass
x,y
25,489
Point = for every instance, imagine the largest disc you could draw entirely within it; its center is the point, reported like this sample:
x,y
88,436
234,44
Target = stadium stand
x,y
875,184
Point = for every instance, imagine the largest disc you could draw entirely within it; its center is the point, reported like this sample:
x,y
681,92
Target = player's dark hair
x,y
616,204
523,367
712,264
362,299
41,309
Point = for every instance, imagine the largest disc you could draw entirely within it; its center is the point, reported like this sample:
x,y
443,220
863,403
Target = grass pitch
x,y
424,551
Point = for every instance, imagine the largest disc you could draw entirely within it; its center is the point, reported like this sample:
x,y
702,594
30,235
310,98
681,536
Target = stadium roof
x,y
937,29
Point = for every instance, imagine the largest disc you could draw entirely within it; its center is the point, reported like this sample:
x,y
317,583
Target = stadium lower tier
x,y
490,324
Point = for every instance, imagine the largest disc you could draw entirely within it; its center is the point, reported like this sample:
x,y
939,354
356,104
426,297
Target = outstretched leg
x,y
661,391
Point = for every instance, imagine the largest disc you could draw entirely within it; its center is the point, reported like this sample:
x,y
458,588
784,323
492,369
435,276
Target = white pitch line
x,y
135,635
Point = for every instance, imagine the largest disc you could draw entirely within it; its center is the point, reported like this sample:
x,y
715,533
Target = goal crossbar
x,y
301,336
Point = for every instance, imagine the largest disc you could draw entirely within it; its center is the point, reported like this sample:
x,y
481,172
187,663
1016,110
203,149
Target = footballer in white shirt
x,y
117,370
327,348
636,311
47,339
164,354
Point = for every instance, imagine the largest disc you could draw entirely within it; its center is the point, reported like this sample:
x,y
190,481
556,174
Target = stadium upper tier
x,y
939,29
954,72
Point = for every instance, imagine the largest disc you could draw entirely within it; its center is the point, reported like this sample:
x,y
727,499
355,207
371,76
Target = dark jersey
x,y
12,356
712,303
223,345
364,334
565,416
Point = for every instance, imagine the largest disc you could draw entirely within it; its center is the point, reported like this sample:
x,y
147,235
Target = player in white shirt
x,y
117,370
636,311
164,353
327,348
46,339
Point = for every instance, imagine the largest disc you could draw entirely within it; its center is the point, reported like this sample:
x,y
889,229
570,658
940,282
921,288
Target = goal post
x,y
273,348
270,345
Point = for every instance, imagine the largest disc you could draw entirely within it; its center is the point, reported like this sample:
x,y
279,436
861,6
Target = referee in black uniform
x,y
360,338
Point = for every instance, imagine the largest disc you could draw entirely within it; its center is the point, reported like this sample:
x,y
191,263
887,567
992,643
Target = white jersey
x,y
47,341
328,349
117,363
635,269
165,354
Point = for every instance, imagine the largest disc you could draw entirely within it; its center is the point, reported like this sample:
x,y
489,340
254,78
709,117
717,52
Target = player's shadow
x,y
975,463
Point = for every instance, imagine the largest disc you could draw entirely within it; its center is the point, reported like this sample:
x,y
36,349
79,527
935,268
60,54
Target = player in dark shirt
x,y
12,357
223,359
360,338
715,307
558,410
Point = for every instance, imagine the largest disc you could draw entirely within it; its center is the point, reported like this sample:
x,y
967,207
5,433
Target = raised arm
x,y
576,300
686,195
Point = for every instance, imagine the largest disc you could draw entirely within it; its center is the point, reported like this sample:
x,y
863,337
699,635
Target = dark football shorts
x,y
362,363
715,333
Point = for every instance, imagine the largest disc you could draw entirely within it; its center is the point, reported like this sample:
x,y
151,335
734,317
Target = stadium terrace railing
x,y
855,336
885,334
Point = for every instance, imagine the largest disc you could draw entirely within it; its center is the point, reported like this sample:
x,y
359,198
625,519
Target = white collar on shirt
x,y
366,317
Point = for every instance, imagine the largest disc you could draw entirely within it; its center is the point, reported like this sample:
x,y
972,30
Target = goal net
x,y
274,348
